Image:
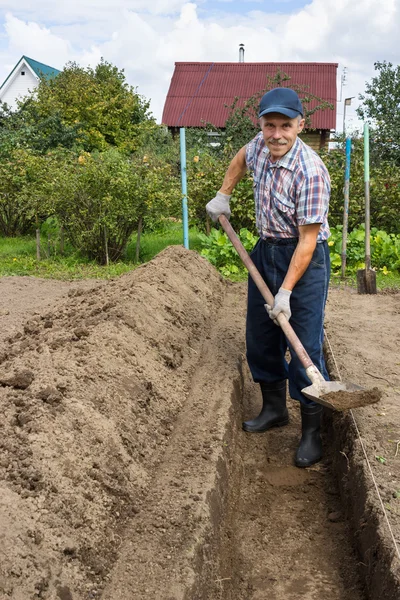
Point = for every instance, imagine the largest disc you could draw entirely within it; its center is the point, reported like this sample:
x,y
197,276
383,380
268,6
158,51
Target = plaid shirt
x,y
292,191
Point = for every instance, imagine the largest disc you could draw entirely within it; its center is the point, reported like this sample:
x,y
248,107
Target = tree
x,y
21,130
381,108
93,109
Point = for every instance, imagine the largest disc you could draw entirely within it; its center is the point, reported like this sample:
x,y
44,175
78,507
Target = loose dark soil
x,y
343,400
124,472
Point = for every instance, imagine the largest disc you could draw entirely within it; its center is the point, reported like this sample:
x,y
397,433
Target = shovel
x,y
341,395
366,278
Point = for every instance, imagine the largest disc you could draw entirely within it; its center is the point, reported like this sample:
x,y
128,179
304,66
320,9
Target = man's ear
x,y
301,125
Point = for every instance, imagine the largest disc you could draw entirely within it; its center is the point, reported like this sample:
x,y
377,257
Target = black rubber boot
x,y
274,412
309,451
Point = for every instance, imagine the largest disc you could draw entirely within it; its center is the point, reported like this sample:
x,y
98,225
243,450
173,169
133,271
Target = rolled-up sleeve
x,y
313,199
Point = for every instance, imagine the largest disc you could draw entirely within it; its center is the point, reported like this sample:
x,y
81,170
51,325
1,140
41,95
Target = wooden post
x,y
208,226
106,244
139,233
62,240
38,244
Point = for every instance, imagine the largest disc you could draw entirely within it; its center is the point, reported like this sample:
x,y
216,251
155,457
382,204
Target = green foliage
x,y
100,197
91,109
384,189
218,249
20,129
25,200
385,250
380,106
205,173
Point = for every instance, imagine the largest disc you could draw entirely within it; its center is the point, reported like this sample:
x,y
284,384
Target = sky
x,y
146,38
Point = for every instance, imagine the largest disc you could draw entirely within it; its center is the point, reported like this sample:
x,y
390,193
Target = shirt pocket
x,y
283,204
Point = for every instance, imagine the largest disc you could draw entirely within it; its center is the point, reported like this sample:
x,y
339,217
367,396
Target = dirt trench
x,y
124,472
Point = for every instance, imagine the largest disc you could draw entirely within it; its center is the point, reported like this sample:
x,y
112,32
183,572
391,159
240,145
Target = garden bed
x,y
124,471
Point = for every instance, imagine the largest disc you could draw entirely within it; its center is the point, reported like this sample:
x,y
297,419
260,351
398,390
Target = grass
x,y
384,283
18,256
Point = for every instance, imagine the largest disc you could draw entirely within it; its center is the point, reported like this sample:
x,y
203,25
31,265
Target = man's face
x,y
280,133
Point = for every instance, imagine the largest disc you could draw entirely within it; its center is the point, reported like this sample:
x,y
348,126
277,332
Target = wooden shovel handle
x,y
266,294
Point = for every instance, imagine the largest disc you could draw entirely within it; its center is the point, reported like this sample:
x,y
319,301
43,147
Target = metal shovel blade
x,y
340,395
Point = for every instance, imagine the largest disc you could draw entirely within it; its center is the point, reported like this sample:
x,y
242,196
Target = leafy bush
x,y
385,250
100,198
25,197
384,190
218,249
205,175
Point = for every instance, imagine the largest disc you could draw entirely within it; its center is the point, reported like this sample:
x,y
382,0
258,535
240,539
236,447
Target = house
x,y
200,92
23,79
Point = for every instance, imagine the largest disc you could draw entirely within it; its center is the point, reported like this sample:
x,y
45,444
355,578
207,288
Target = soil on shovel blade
x,y
343,400
124,472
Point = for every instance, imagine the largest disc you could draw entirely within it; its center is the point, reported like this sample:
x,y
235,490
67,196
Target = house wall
x,y
316,139
19,86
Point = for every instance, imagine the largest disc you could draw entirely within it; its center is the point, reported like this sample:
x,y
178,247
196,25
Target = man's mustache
x,y
276,142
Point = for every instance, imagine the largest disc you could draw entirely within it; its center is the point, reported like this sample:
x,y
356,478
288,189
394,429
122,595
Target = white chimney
x,y
241,53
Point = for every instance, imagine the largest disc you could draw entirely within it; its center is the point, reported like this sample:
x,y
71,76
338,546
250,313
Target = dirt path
x,y
124,472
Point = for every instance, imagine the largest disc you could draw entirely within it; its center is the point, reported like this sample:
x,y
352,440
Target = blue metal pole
x,y
185,218
346,205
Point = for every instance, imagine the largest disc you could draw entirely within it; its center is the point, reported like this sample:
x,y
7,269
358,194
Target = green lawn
x,y
18,257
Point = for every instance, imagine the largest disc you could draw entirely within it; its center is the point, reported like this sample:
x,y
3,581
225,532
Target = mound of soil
x,y
90,393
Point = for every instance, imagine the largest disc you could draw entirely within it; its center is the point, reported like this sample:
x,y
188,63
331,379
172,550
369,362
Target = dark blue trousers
x,y
266,343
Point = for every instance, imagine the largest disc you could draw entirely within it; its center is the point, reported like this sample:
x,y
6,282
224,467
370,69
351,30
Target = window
x,y
22,72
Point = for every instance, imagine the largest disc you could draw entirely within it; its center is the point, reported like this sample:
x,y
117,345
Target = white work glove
x,y
219,206
281,305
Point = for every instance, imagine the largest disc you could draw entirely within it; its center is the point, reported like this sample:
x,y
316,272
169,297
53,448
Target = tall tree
x,y
93,109
381,108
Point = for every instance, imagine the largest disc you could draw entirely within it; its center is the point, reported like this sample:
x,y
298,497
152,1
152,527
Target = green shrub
x,y
218,249
385,250
205,176
100,198
384,190
25,191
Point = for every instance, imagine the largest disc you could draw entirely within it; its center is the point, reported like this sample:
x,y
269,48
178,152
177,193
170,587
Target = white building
x,y
23,79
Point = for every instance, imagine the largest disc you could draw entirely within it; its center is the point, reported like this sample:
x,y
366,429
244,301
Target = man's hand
x,y
281,305
219,206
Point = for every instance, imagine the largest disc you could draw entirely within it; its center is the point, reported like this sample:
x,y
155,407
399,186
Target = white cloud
x,y
146,39
35,41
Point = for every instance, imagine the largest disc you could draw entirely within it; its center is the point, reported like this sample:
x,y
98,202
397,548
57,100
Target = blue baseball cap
x,y
283,101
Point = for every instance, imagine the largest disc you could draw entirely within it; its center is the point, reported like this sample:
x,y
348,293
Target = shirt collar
x,y
288,161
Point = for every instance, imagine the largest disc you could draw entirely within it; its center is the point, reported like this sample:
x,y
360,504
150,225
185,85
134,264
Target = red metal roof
x,y
199,91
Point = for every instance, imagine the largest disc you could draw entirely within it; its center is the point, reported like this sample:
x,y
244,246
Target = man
x,y
291,191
